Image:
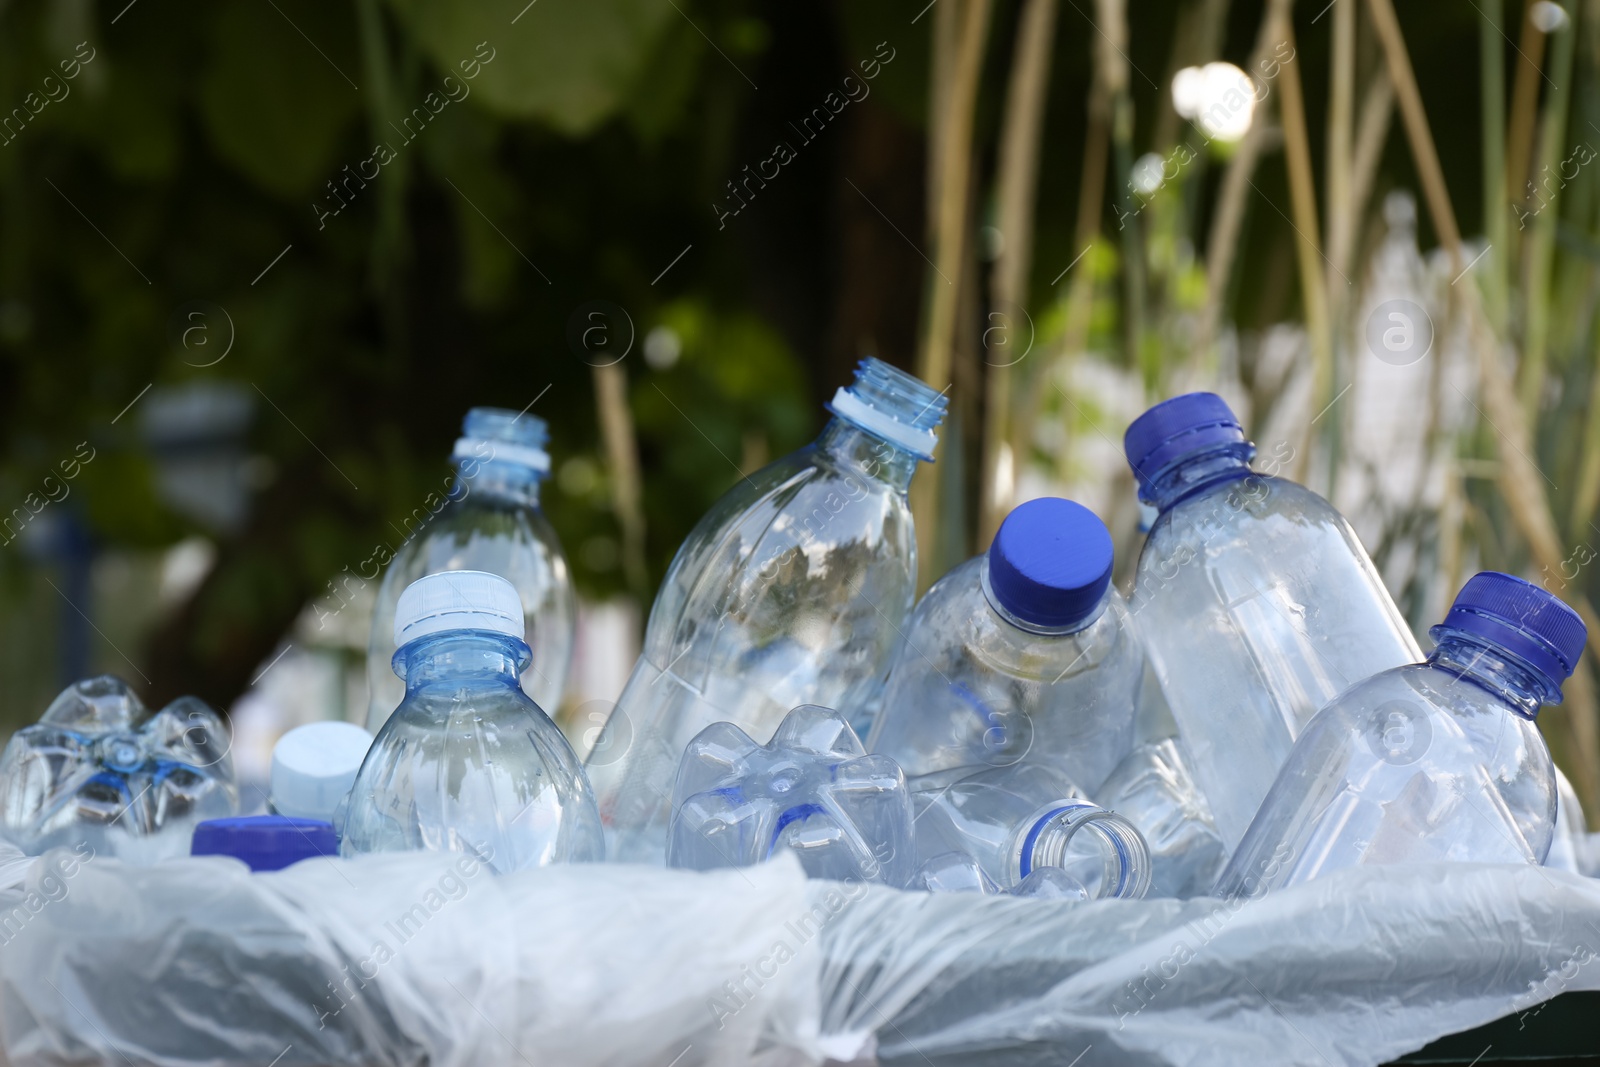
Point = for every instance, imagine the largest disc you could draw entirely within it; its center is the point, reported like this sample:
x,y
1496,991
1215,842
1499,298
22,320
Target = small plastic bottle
x,y
1254,597
467,763
1015,821
812,790
791,590
1396,769
489,521
1025,652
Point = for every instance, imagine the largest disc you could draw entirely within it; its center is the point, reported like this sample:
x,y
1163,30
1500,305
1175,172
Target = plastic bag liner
x,y
199,962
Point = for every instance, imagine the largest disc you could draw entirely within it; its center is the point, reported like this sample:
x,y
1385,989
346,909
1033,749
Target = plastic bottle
x,y
791,590
490,521
1394,770
265,842
467,763
1014,821
812,790
313,768
98,768
1023,652
1255,600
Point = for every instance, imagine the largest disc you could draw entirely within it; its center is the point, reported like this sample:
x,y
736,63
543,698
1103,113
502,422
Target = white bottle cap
x,y
314,766
457,600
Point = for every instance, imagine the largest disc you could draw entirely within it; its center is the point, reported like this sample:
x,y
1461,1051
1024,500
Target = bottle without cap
x,y
1255,599
467,763
1014,821
1023,652
489,521
1400,768
790,591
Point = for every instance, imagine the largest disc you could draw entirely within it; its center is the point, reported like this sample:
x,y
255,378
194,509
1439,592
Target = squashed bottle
x,y
791,590
1255,599
1394,770
1025,652
490,521
812,790
467,763
97,768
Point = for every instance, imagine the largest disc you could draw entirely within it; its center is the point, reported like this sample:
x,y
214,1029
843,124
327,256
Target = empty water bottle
x,y
1394,770
1015,820
467,763
1255,599
489,521
812,790
1023,652
1153,790
791,590
97,768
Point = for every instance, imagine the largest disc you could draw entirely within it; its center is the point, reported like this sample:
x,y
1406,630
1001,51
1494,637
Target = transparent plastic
x,y
490,521
1257,604
812,790
1397,770
792,590
1015,820
1153,789
973,686
97,768
468,763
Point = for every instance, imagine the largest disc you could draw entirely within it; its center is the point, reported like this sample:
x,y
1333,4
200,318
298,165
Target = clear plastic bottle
x,y
792,590
812,790
1023,652
490,521
1394,771
467,763
98,768
1015,820
1255,600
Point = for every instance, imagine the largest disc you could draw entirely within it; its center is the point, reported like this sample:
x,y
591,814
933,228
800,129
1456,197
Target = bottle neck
x,y
467,658
511,483
1196,472
1507,676
1124,857
857,451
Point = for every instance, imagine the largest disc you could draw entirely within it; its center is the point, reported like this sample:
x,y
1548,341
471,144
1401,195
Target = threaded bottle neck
x,y
1075,834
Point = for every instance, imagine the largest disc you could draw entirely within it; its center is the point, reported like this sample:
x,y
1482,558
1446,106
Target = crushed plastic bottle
x,y
1025,652
1153,790
1255,599
1015,820
468,763
98,768
812,790
489,521
791,590
1394,770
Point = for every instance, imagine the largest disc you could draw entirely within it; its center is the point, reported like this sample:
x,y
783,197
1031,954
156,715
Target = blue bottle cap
x,y
1176,429
1521,618
1050,563
265,842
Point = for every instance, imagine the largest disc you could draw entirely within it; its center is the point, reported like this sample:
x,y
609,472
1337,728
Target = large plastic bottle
x,y
1395,771
1023,652
1255,599
490,521
812,790
1015,821
467,763
792,590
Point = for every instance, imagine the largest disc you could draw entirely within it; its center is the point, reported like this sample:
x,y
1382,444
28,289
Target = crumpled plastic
x,y
197,961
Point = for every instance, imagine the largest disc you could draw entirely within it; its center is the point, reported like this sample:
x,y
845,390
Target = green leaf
x,y
568,64
275,95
